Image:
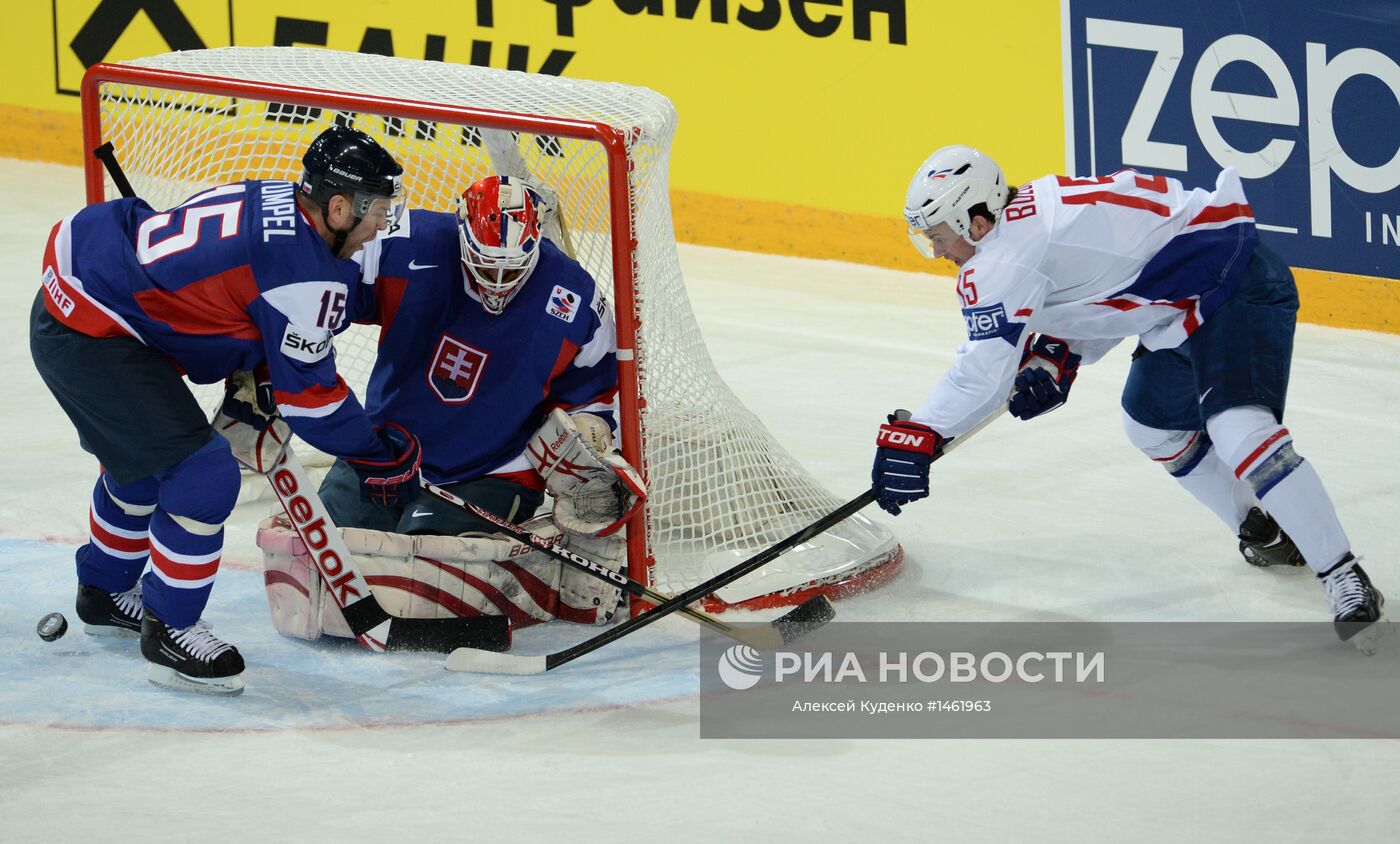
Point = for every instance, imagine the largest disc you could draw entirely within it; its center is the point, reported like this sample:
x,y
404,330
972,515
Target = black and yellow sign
x,y
86,32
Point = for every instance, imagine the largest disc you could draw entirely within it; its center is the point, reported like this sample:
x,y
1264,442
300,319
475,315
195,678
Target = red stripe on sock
x,y
1179,453
176,570
1264,446
111,540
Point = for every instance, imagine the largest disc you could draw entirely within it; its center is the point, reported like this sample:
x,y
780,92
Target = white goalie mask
x,y
499,227
945,188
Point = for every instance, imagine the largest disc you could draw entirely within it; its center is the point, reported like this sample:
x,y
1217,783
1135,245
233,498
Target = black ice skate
x,y
110,613
1263,543
190,658
1357,606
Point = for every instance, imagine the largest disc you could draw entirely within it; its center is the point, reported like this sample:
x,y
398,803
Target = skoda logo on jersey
x,y
563,303
740,667
987,321
456,370
306,345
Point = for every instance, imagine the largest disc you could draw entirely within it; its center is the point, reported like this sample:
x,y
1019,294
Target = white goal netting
x,y
721,487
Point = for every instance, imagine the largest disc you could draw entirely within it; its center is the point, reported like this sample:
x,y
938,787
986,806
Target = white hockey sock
x,y
1260,450
1190,457
1214,485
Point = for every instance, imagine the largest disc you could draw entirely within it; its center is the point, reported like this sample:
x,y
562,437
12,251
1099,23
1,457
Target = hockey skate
x,y
190,658
1263,543
1357,606
110,613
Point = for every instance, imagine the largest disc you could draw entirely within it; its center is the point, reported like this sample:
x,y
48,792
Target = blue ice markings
x,y
86,681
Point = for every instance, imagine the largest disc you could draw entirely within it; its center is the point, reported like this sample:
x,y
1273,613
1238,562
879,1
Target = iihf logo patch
x,y
456,370
563,303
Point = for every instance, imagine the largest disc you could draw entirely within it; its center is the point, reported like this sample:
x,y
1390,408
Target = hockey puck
x,y
52,627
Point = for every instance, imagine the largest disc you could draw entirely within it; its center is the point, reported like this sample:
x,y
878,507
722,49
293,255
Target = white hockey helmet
x,y
499,227
945,188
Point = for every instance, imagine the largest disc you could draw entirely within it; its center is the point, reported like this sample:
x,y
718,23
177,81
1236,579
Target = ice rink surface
x,y
1057,520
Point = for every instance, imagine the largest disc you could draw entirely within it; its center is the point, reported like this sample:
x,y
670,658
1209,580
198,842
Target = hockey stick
x,y
504,150
792,626
108,156
270,455
468,659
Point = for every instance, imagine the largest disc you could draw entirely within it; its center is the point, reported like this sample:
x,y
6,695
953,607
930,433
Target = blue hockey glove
x,y
390,483
1048,368
904,450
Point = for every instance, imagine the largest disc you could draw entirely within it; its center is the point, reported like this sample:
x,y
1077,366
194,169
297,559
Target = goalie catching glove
x,y
595,490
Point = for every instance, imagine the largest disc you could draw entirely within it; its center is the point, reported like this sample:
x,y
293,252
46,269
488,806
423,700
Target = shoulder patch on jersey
x,y
563,303
306,345
989,321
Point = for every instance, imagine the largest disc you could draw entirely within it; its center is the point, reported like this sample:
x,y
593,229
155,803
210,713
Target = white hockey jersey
x,y
1090,261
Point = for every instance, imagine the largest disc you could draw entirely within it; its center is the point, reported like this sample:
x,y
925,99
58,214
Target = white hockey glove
x,y
248,420
595,490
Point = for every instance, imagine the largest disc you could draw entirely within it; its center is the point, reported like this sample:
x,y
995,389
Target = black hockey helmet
x,y
347,161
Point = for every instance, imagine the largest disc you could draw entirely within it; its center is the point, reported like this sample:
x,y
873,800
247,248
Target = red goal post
x,y
721,486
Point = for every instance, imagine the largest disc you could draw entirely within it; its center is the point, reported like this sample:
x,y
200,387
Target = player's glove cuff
x,y
1048,369
904,450
391,482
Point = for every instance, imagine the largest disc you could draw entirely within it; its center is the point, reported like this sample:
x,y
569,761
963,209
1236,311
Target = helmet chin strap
x,y
340,235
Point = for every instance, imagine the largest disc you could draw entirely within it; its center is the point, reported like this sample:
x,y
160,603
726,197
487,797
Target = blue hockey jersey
x,y
475,387
234,277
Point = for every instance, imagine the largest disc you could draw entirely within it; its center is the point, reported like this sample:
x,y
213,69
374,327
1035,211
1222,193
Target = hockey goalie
x,y
499,351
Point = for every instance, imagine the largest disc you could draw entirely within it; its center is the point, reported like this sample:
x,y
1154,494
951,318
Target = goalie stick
x,y
372,625
470,659
792,626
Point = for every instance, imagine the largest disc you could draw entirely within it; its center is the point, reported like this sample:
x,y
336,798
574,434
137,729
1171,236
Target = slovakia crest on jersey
x,y
456,370
564,303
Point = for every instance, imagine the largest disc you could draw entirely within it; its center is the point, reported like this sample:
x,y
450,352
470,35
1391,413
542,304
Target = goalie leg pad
x,y
437,577
564,591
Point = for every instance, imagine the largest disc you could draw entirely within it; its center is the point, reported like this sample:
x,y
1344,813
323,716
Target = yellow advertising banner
x,y
822,103
802,121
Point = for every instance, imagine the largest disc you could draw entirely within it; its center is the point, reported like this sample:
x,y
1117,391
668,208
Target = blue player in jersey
x,y
487,328
238,277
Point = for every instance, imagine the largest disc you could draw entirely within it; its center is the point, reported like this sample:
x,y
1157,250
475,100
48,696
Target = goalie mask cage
x,y
721,487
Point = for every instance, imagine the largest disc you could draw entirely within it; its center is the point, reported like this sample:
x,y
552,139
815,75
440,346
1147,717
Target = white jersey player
x,y
1058,272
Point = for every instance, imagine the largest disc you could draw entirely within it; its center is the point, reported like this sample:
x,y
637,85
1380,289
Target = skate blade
x,y
169,678
1373,637
110,631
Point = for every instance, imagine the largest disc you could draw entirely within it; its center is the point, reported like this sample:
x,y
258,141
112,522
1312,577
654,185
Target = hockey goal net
x,y
721,487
